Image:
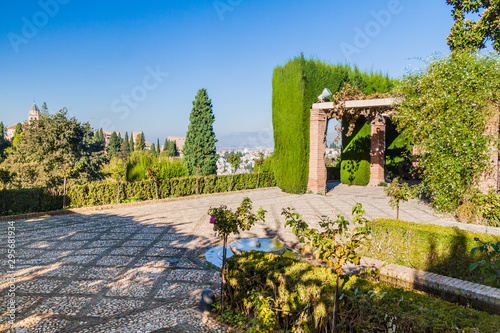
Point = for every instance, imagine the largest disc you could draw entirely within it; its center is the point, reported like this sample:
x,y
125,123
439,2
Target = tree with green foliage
x,y
471,35
259,162
200,155
158,149
399,192
18,134
153,149
4,143
170,148
44,110
132,145
234,159
114,145
124,148
336,245
54,148
225,223
444,110
140,144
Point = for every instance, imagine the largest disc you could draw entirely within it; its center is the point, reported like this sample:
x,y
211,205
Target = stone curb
x,y
122,205
484,297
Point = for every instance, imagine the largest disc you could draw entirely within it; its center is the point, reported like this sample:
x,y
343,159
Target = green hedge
x,y
397,153
296,86
355,159
104,193
303,296
441,250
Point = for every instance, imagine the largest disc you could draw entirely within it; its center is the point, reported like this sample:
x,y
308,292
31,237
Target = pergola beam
x,y
358,104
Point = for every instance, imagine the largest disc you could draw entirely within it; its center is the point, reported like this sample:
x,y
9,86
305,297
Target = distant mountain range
x,y
240,140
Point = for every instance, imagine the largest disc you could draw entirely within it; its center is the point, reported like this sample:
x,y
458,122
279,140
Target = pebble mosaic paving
x,y
141,269
102,273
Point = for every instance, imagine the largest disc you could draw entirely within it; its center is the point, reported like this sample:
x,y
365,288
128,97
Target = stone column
x,y
317,139
377,153
489,178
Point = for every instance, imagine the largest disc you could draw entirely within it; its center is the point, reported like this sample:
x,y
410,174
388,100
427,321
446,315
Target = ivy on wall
x,y
444,111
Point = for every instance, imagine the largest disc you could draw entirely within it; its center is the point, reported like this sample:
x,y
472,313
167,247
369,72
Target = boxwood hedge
x,y
437,249
104,193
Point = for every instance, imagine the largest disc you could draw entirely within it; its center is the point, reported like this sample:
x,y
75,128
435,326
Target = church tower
x,y
34,113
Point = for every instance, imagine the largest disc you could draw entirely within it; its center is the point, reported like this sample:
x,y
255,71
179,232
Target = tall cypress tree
x,y
125,148
141,142
114,145
131,141
158,150
200,155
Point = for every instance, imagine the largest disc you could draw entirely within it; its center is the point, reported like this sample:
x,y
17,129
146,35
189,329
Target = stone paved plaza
x,y
111,270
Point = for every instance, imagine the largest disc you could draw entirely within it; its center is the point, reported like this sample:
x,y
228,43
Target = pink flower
x,y
212,219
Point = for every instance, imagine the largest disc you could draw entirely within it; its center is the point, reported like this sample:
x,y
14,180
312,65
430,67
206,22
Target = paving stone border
x,y
450,289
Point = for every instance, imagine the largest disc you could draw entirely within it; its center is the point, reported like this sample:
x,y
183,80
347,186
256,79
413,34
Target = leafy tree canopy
x,y
52,148
467,34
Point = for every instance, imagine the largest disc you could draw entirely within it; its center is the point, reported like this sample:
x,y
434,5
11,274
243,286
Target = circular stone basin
x,y
258,244
214,255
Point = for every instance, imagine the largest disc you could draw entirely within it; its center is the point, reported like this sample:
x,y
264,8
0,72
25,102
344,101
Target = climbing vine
x,y
444,110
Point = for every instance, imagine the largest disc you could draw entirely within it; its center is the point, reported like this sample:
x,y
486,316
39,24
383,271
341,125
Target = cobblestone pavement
x,y
110,270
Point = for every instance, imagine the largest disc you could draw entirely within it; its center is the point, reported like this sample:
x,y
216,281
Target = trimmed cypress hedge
x,y
355,159
296,86
104,193
431,248
299,297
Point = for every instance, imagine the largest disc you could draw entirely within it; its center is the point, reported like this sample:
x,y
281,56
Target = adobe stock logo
x,y
363,37
30,28
221,7
127,102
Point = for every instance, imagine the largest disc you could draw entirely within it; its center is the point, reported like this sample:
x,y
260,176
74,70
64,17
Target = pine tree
x,y
141,142
200,155
131,141
158,150
153,148
114,145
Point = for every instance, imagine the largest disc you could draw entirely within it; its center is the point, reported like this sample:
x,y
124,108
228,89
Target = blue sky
x,y
90,55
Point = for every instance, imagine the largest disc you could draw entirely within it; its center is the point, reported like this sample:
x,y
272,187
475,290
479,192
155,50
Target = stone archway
x,y
317,134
